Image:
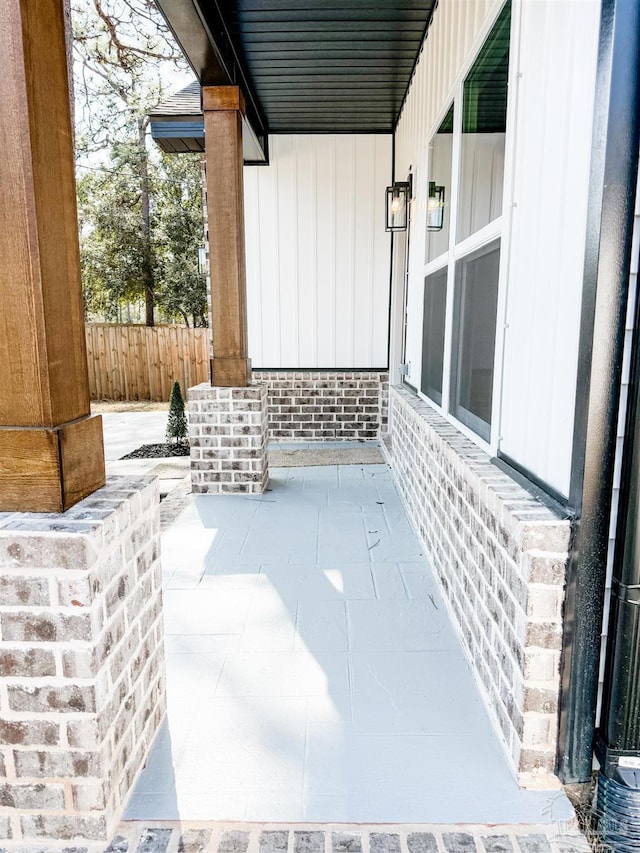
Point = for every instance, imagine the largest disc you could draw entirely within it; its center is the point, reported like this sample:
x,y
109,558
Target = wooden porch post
x,y
223,107
51,452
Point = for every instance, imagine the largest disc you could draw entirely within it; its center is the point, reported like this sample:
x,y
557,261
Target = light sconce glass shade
x,y
202,260
435,207
397,206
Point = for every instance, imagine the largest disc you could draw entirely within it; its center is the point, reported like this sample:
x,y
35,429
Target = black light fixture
x,y
435,207
397,206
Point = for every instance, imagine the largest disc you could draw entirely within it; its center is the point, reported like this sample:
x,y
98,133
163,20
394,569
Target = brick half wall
x,y
82,689
312,405
500,555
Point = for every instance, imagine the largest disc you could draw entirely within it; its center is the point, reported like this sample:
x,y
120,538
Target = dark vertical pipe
x,y
618,738
609,228
620,723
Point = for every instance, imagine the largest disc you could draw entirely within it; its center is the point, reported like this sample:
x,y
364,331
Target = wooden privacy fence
x,y
142,363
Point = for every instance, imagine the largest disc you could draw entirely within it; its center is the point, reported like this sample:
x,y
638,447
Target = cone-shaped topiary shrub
x,y
177,422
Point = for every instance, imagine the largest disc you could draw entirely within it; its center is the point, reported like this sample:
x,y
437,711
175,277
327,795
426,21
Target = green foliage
x,y
118,255
177,421
178,223
112,235
140,212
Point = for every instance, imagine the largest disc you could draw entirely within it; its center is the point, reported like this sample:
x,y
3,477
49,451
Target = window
x,y
484,122
435,298
440,154
462,260
476,300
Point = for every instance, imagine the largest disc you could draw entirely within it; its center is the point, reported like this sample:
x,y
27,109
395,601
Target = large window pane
x,y
438,202
484,115
476,298
435,298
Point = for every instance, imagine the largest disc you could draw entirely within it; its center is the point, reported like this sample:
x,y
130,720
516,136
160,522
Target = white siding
x,y
318,257
554,52
548,224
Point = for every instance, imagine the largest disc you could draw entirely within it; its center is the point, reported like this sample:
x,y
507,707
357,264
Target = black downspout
x,y
602,327
618,738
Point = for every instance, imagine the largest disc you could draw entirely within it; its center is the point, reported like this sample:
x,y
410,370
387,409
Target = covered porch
x,y
314,673
364,643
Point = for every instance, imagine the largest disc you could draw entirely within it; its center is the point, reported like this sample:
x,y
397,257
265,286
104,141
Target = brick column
x,y
228,433
81,661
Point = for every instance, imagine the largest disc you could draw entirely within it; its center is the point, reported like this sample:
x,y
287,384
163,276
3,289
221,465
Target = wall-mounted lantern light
x,y
435,207
397,206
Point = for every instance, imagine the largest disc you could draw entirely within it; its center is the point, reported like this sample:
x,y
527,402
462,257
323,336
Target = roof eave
x,y
215,63
179,134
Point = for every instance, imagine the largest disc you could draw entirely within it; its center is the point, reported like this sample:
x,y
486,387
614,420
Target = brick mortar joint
x,y
428,420
68,528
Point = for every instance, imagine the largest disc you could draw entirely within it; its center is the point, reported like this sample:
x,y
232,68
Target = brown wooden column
x,y
51,452
223,108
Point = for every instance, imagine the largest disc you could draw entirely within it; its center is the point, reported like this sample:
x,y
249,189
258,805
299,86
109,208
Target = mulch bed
x,y
324,456
277,458
158,451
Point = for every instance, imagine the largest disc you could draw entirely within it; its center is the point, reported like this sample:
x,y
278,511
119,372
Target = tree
x,y
115,250
177,420
122,49
181,289
123,57
113,240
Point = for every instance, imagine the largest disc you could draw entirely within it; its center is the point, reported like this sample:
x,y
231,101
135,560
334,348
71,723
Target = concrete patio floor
x,y
313,673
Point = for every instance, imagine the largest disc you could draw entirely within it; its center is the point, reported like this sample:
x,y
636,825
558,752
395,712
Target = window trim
x,y
497,228
481,238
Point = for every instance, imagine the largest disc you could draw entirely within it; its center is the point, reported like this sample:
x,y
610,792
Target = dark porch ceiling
x,y
306,65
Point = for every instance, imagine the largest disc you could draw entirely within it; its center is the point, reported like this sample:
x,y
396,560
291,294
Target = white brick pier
x,y
82,685
228,434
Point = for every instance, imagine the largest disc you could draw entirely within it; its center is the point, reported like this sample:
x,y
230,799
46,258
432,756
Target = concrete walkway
x,y
126,431
313,673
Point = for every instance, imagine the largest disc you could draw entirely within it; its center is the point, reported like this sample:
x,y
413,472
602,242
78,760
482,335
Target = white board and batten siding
x,y
554,116
549,137
318,257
